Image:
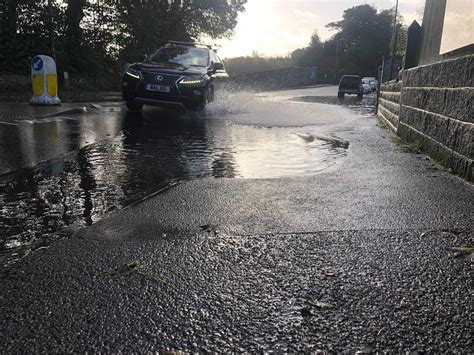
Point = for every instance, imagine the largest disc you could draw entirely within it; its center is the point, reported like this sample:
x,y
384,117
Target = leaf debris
x,y
322,305
134,267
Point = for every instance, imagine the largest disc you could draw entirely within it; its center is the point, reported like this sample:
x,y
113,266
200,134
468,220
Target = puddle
x,y
366,106
251,109
133,155
146,156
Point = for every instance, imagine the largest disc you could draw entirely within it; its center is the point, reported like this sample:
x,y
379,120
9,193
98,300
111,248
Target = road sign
x,y
45,81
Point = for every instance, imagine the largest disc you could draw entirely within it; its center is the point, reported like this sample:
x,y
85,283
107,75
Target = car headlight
x,y
133,73
193,80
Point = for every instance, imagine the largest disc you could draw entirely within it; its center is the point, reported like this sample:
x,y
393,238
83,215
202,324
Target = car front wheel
x,y
340,95
209,95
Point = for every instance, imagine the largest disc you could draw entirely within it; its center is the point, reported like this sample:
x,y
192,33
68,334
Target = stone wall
x,y
77,83
437,111
389,104
432,107
274,79
267,80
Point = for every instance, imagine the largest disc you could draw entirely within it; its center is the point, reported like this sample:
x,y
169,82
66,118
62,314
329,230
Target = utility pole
x,y
394,40
337,57
51,30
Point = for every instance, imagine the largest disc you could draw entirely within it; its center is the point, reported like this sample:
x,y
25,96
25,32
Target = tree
x,y
73,48
146,25
362,39
8,10
92,37
8,28
315,40
311,55
365,36
25,33
255,63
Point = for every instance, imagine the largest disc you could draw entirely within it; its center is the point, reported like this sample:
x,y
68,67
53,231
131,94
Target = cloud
x,y
277,27
306,14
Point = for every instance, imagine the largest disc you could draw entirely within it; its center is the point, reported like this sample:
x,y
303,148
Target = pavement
x,y
372,252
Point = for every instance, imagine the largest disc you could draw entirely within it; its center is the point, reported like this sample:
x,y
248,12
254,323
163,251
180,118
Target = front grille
x,y
169,80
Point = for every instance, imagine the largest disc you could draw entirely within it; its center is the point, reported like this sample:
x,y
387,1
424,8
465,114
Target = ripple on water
x,y
149,154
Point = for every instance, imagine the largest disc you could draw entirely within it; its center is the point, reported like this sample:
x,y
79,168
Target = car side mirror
x,y
143,58
218,66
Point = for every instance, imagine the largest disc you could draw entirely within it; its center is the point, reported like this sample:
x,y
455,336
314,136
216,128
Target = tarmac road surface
x,y
286,223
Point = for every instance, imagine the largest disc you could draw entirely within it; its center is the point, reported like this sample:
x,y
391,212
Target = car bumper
x,y
160,103
178,98
354,92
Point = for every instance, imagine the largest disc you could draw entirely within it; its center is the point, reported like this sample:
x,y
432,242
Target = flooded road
x,y
71,170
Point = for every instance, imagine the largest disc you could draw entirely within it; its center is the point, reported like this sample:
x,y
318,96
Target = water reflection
x,y
149,151
364,106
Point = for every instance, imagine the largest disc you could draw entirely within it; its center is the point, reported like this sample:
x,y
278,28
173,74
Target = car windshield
x,y
181,55
350,80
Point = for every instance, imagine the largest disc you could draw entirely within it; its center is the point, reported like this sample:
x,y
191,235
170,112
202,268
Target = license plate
x,y
159,88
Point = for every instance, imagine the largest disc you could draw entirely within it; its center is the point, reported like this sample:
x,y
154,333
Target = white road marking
x,y
9,123
48,120
71,118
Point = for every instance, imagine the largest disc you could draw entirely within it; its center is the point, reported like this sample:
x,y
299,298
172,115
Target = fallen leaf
x,y
124,269
464,249
322,305
127,269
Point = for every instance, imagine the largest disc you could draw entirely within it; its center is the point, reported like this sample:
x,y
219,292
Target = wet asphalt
x,y
326,236
74,167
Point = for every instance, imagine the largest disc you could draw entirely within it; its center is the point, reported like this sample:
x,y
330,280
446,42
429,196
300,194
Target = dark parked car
x,y
350,84
178,75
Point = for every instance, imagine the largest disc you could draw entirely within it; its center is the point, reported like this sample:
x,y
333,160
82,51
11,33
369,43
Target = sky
x,y
277,27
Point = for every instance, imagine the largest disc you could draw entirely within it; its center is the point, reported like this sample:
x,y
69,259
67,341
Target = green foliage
x,y
362,39
96,37
255,63
131,268
24,32
145,26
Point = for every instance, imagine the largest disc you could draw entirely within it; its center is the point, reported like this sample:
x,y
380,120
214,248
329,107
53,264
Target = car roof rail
x,y
190,44
182,43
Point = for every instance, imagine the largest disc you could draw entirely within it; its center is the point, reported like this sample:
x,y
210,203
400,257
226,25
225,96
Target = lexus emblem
x,y
159,77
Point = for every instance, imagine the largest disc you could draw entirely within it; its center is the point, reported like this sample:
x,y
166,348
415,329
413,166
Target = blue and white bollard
x,y
45,81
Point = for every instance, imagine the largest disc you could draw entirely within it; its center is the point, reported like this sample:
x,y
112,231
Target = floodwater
x,y
71,172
